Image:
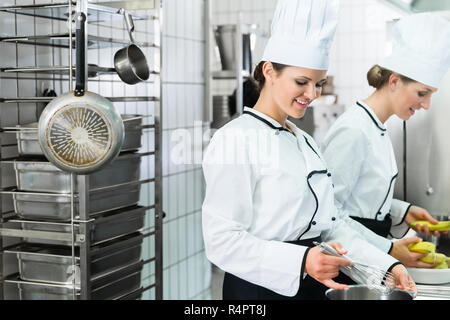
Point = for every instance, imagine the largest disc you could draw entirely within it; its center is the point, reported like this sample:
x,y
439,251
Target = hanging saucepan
x,y
130,62
80,131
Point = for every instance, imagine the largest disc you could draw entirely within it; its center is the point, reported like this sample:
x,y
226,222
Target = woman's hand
x,y
404,280
401,252
417,213
324,267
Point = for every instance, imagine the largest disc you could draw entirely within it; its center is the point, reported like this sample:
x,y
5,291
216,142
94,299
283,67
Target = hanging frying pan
x,y
80,131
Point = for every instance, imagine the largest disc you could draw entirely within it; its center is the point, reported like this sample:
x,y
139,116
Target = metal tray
x,y
133,132
62,40
111,287
59,11
108,226
38,206
28,141
42,176
54,264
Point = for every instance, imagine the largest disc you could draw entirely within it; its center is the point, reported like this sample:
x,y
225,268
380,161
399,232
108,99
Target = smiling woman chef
x,y
357,147
268,191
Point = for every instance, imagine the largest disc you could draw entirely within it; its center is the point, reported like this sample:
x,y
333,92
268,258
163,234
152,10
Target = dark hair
x,y
379,76
258,74
250,96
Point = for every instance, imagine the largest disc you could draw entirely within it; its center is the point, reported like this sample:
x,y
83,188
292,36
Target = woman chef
x,y
357,148
269,194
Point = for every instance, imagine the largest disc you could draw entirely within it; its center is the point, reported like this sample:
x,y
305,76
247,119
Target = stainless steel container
x,y
54,265
112,286
40,176
28,141
361,292
221,111
106,227
133,132
56,207
226,41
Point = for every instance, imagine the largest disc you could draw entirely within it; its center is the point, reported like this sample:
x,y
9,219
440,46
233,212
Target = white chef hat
x,y
420,48
302,33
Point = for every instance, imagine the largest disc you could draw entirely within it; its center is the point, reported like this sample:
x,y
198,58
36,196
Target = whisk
x,y
373,277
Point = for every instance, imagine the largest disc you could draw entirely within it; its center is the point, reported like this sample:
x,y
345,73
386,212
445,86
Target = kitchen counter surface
x,y
433,292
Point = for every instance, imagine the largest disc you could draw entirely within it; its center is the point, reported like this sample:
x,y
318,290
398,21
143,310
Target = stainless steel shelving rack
x,y
82,227
239,74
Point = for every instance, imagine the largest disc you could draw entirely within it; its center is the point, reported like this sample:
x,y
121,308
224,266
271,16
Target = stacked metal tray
x,y
43,190
56,207
107,226
43,199
54,264
43,176
112,286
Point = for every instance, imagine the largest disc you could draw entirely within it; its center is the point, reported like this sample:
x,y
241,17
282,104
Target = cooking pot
x,y
80,131
362,292
130,62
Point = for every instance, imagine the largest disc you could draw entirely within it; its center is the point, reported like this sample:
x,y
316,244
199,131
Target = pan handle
x,y
129,22
80,46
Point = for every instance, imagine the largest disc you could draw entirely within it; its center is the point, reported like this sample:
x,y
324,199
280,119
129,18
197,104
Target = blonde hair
x,y
378,77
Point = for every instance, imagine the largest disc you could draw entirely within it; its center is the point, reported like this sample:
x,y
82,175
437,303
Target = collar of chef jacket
x,y
312,195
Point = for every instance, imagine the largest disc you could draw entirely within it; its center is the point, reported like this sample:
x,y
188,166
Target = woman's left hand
x,y
400,251
404,280
416,213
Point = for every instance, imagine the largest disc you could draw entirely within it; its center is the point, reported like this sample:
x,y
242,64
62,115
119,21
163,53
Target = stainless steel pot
x,y
362,292
130,62
80,131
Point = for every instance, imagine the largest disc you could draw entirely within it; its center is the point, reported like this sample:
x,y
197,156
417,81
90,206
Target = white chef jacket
x,y
359,154
265,186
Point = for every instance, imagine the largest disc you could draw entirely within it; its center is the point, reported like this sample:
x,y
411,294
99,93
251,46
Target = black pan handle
x,y
80,47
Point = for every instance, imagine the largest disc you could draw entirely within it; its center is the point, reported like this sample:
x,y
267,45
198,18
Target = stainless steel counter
x,y
433,292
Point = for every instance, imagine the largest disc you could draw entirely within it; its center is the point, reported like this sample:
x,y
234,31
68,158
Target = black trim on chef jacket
x,y
403,219
266,122
392,267
380,227
390,249
371,117
387,194
307,142
310,175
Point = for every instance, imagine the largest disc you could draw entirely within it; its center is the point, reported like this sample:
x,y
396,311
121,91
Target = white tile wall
x,y
359,44
183,56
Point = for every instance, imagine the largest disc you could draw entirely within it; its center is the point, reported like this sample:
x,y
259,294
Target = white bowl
x,y
429,276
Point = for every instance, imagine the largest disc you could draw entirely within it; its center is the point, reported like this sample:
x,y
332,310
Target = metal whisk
x,y
373,277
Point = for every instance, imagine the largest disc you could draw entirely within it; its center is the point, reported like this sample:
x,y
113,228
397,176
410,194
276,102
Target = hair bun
x,y
375,77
